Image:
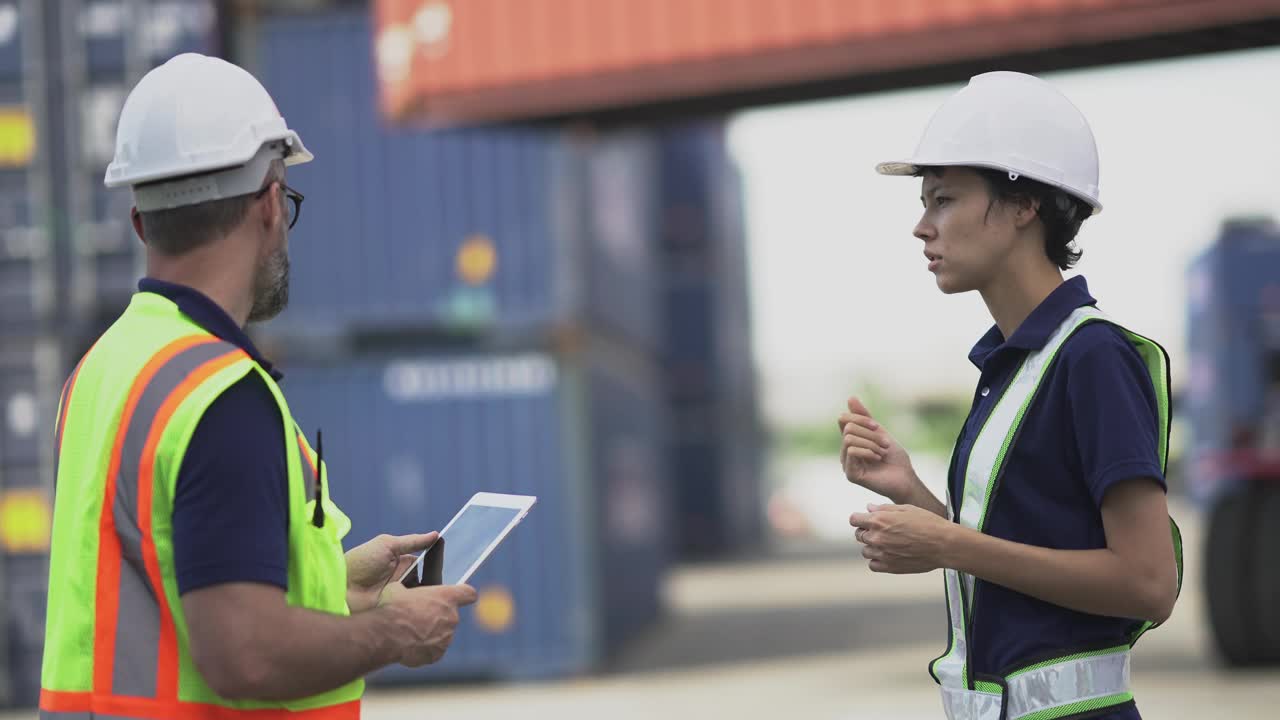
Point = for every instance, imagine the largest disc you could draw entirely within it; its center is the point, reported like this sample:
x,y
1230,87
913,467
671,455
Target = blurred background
x,y
631,256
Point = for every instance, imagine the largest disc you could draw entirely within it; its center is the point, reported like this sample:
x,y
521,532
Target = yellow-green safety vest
x,y
116,640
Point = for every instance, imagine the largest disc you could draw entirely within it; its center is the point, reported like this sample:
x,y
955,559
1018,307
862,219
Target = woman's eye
x,y
941,200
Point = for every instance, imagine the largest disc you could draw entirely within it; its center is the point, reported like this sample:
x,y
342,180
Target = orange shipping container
x,y
499,59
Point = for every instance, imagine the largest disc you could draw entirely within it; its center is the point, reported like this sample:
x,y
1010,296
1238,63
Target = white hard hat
x,y
1012,122
206,124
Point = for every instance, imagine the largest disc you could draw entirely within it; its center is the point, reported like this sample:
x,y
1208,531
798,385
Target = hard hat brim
x,y
897,168
904,167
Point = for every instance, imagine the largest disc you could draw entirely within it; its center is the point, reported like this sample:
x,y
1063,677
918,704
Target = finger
x,y
860,520
879,438
850,418
405,544
856,453
878,566
871,553
464,595
864,443
887,508
405,562
857,408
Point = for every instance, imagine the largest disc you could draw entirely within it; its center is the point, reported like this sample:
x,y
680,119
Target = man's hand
x,y
426,618
372,565
902,539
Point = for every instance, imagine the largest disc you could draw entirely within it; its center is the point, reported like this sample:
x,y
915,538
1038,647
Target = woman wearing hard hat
x,y
1055,538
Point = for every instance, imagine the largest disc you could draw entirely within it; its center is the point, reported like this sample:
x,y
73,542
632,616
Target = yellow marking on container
x,y
495,610
26,521
477,259
17,137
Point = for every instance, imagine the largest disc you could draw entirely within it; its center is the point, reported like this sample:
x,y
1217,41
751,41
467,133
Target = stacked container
x,y
26,304
475,310
68,258
710,379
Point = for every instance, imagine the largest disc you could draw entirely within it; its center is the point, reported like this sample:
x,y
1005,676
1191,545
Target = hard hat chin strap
x,y
219,185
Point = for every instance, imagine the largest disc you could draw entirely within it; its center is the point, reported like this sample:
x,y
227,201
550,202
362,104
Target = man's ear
x,y
136,217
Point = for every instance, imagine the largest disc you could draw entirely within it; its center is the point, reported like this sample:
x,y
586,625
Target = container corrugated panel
x,y
496,59
29,389
486,230
26,280
14,23
410,438
114,43
26,285
707,354
23,597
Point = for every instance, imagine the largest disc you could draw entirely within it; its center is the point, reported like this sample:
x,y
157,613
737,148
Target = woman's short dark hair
x,y
1060,212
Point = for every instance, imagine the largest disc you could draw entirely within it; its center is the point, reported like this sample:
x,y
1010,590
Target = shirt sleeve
x,y
230,510
1113,410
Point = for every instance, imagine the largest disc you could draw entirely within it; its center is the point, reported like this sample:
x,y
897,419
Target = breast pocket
x,y
323,566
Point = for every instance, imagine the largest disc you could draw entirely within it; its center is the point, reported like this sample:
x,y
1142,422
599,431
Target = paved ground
x,y
819,636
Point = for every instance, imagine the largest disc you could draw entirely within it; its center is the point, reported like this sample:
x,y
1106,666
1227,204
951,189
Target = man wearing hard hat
x,y
197,568
1055,538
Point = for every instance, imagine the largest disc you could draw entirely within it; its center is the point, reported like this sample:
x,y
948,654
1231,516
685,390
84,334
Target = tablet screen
x,y
468,536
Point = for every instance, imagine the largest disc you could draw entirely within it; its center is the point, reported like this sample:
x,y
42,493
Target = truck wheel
x,y
1266,573
1229,563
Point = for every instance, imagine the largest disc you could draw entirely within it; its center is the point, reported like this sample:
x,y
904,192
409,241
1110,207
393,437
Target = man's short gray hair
x,y
178,231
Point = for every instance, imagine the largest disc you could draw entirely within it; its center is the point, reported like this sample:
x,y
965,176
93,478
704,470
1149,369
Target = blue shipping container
x,y
119,38
29,389
716,458
1233,336
410,438
17,20
488,230
24,584
109,46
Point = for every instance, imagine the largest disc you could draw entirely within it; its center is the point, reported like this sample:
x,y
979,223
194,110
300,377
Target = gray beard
x,y
270,287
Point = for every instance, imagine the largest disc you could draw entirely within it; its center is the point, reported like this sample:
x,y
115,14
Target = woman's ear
x,y
1025,210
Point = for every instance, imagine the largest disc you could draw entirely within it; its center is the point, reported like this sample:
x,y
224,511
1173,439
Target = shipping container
x,y
15,26
26,256
482,60
409,438
29,386
717,450
489,231
23,597
108,46
30,382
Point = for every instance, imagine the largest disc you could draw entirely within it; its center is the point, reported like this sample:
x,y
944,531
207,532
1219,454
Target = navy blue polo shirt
x,y
1094,424
231,503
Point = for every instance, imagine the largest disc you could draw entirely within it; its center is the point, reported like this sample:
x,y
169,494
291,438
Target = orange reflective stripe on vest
x,y
87,706
133,605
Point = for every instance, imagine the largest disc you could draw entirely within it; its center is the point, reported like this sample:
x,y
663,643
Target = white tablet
x,y
468,539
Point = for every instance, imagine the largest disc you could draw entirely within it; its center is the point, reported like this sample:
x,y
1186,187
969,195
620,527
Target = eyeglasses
x,y
295,201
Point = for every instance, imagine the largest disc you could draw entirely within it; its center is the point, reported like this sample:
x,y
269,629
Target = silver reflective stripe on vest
x,y
1101,675
137,641
960,704
997,433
